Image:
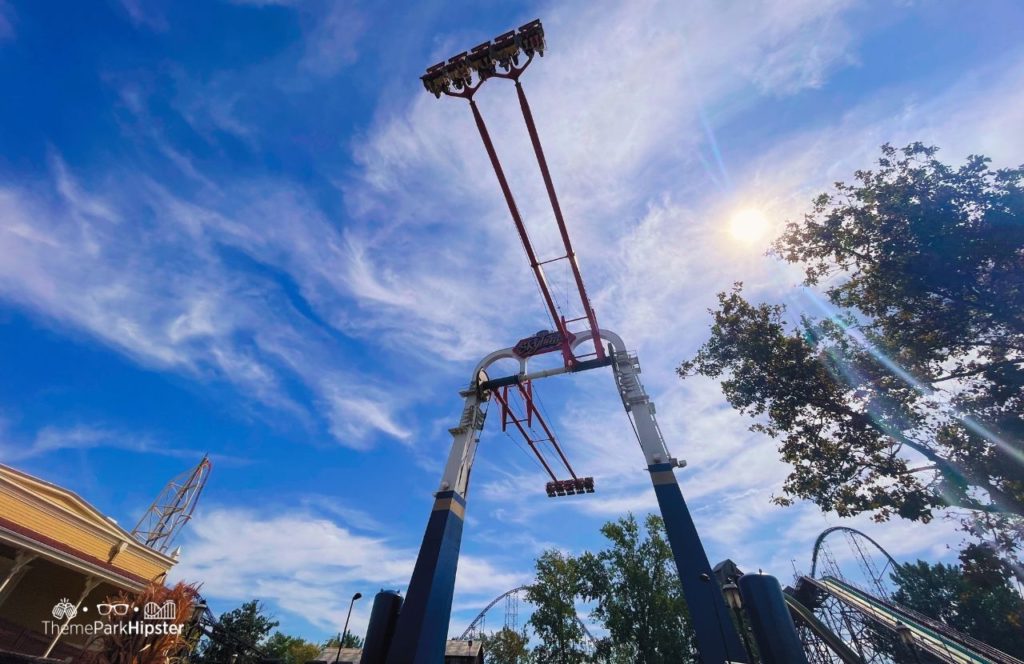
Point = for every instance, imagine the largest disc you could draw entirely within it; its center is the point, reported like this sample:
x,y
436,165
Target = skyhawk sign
x,y
544,341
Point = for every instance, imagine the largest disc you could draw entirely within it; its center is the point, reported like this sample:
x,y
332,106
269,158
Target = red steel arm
x,y
549,185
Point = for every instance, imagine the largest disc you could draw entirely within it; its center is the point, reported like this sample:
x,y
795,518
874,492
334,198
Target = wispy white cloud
x,y
309,565
332,38
143,270
50,439
304,564
351,516
145,14
216,106
353,417
331,32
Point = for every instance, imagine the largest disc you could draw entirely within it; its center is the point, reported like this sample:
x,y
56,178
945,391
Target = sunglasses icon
x,y
113,609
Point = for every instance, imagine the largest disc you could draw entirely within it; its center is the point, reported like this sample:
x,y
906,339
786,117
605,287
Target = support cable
x,y
523,450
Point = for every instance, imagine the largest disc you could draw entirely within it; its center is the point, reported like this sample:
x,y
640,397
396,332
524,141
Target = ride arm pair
x,y
468,92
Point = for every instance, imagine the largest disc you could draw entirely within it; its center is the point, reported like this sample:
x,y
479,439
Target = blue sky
x,y
243,228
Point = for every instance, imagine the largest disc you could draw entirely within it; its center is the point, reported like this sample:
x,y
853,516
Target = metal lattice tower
x,y
815,649
855,630
512,611
173,508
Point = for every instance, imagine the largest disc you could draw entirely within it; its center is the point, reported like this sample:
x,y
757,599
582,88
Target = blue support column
x,y
717,639
422,630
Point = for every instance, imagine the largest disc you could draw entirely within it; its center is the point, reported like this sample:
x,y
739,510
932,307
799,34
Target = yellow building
x,y
57,549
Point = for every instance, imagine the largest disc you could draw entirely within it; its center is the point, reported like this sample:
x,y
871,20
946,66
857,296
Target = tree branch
x,y
974,372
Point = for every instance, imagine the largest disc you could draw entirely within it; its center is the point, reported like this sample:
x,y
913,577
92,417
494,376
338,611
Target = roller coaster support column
x,y
717,639
422,630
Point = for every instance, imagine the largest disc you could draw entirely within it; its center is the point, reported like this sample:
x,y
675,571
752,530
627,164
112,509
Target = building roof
x,y
457,648
347,656
454,648
57,524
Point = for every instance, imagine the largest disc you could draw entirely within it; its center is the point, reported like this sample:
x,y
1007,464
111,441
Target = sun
x,y
748,225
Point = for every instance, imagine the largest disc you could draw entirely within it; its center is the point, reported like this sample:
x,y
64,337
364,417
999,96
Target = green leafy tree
x,y
237,633
906,395
507,646
607,651
638,595
554,621
975,597
290,649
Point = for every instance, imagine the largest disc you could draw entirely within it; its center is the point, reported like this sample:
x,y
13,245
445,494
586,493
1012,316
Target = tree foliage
x,y
134,647
237,632
904,393
290,649
507,646
553,596
636,592
975,597
349,640
639,599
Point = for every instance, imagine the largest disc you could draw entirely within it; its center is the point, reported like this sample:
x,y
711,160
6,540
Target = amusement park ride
x,y
415,631
422,627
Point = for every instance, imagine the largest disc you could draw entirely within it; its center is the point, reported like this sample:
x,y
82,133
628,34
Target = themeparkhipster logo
x,y
149,620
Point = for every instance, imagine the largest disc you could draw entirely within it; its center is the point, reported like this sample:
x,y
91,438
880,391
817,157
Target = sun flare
x,y
748,225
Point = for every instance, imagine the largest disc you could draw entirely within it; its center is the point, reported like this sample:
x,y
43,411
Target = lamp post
x,y
344,632
907,639
734,601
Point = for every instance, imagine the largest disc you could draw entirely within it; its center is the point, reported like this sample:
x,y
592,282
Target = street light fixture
x,y
344,632
733,599
732,596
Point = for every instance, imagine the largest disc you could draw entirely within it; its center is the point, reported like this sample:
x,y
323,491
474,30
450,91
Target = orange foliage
x,y
130,639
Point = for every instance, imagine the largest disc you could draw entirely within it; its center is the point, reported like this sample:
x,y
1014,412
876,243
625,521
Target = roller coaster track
x,y
930,636
844,529
480,616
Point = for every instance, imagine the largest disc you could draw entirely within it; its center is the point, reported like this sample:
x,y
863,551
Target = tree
x,y
238,632
907,396
290,649
131,645
507,646
974,597
350,640
554,621
638,595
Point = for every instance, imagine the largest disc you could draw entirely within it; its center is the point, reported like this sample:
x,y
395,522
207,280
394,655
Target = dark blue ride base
x,y
717,639
422,630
